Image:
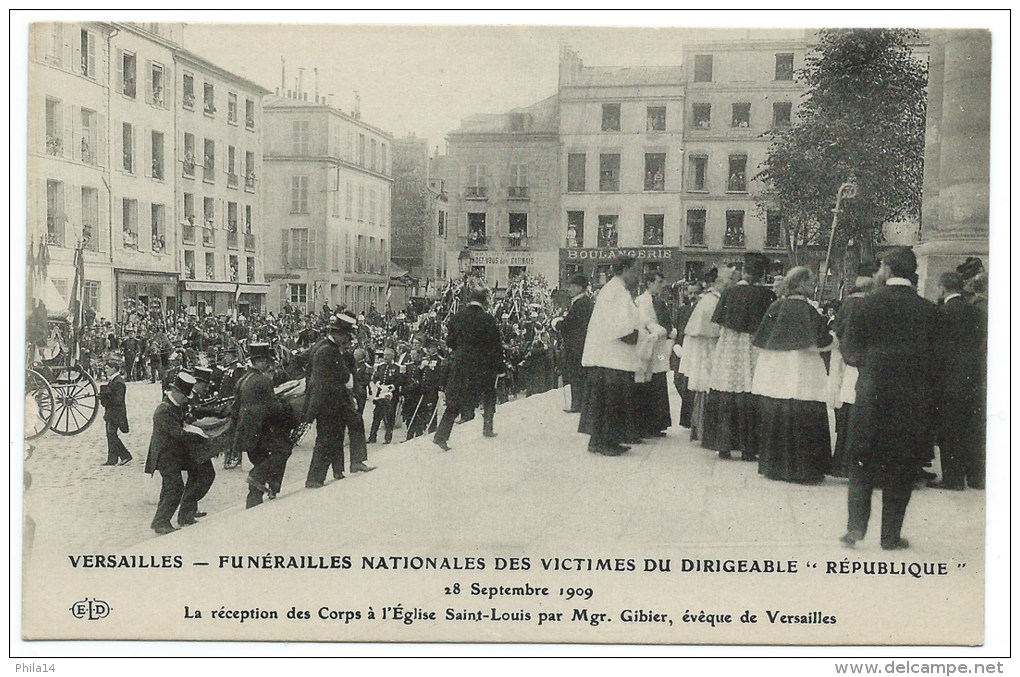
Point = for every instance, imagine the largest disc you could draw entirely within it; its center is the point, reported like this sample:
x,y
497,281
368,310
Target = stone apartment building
x,y
418,218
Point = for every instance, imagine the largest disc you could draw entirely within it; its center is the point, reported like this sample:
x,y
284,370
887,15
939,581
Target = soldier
x,y
385,389
263,424
362,377
431,376
330,403
168,450
410,388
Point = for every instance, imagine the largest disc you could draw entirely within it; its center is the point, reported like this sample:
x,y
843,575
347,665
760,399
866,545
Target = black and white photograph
x,y
681,330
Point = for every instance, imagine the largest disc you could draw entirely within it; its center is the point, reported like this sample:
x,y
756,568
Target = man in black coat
x,y
112,396
890,338
168,450
574,328
477,362
130,347
330,403
385,390
201,473
961,353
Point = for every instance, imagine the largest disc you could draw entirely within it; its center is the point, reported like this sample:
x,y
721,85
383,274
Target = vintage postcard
x,y
508,334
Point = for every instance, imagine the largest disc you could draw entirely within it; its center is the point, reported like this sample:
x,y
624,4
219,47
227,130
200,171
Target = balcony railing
x,y
517,241
231,180
209,237
249,182
189,234
188,102
574,241
249,242
231,239
518,192
158,244
249,123
54,145
476,193
208,172
476,241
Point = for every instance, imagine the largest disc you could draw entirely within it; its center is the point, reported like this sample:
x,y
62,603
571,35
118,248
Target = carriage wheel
x,y
77,400
39,404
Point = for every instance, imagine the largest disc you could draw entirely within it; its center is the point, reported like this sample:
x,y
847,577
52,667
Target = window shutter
x,y
148,81
462,225
120,70
532,227
37,123
92,56
75,140
168,88
67,132
76,47
117,224
143,225
117,161
312,249
146,152
284,246
38,203
102,229
101,144
74,221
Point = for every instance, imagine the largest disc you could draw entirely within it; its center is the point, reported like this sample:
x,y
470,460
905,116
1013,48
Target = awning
x,y
228,287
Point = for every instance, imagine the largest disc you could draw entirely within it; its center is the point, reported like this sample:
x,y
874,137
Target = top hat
x,y
971,267
258,351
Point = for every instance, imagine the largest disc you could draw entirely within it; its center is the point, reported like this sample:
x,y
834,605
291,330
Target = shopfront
x,y
498,267
144,294
596,263
202,298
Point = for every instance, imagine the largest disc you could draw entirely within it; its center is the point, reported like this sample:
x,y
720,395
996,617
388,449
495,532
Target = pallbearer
x,y
168,450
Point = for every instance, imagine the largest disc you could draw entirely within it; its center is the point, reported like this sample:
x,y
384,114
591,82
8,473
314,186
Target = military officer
x,y
385,390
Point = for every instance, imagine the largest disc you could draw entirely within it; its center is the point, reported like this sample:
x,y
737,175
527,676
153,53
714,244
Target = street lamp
x,y
464,261
847,191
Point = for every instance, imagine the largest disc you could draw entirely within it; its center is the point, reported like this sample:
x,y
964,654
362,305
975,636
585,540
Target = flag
x,y
237,299
77,305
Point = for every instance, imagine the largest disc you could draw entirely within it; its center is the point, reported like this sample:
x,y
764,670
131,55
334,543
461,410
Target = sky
x,y
425,79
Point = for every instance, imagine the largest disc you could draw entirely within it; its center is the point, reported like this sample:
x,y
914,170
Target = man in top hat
x,y
201,473
573,328
330,403
112,397
263,425
890,338
168,449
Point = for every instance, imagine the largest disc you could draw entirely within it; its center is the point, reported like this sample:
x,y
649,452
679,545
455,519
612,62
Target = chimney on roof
x,y
329,99
316,71
357,105
283,73
300,82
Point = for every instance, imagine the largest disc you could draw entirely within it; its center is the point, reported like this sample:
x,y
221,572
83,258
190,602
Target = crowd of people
x,y
758,368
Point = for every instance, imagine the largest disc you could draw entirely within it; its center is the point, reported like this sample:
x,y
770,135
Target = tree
x,y
863,118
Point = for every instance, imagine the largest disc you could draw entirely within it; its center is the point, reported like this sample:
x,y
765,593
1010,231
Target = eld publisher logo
x,y
90,609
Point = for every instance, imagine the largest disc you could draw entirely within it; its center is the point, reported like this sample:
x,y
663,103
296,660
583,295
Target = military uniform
x,y
431,372
385,389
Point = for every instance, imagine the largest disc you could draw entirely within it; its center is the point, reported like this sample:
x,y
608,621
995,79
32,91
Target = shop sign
x,y
611,253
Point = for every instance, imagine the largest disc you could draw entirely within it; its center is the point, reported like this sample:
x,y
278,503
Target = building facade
x,y
621,133
327,197
502,180
418,216
736,92
69,157
218,169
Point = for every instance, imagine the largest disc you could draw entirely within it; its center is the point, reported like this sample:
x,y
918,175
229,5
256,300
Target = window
x,y
653,230
157,82
371,206
250,269
694,270
249,229
158,224
656,121
737,182
249,114
773,229
231,108
702,114
208,212
699,172
210,266
518,181
188,163
350,201
516,271
128,67
655,171
371,255
609,235
477,182
518,234
781,114
209,165
89,133
157,156
575,229
741,115
334,194
232,264
696,227
703,68
382,159
189,264
372,156
90,292
249,171
441,230
90,218
734,236
209,99
129,223
575,172
610,117
298,249
299,195
188,100
232,219
476,228
300,136
189,217
128,147
54,127
56,215
231,167
361,203
358,253
55,54
784,66
88,54
361,150
609,172
299,293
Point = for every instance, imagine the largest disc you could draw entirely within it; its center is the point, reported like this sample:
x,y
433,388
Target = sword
x,y
411,422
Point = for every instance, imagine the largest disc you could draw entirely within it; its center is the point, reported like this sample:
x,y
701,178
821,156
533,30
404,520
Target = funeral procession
x,y
736,296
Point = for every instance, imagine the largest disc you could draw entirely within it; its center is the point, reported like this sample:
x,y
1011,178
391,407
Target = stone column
x,y
954,205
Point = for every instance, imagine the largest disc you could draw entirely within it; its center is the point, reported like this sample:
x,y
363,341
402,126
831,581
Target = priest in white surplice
x,y
611,354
